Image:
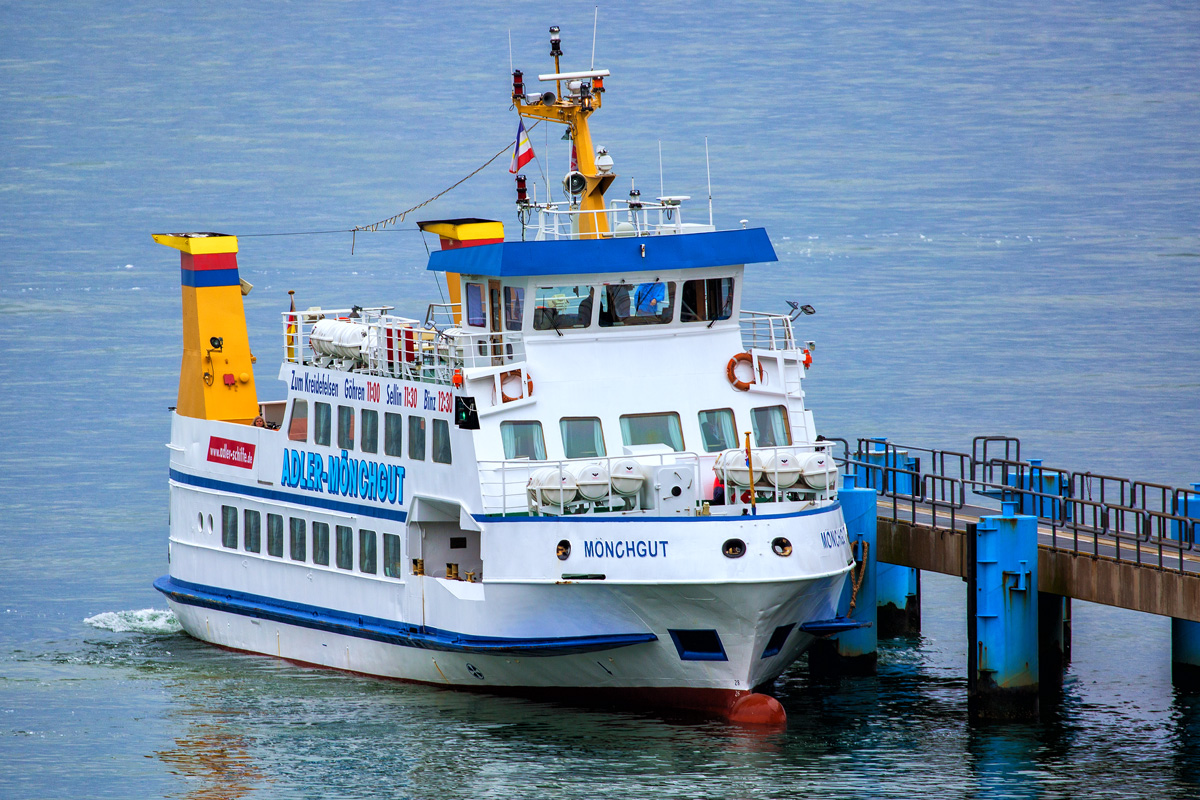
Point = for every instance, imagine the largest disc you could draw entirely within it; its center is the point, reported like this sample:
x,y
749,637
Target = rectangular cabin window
x,y
345,547
275,535
770,426
637,304
252,535
392,564
441,441
416,438
706,300
298,426
514,307
640,429
370,431
475,305
393,426
321,543
229,531
523,440
322,423
346,427
718,430
297,545
366,551
559,308
582,437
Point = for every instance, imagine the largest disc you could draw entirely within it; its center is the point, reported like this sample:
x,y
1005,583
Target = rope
x,y
856,582
383,223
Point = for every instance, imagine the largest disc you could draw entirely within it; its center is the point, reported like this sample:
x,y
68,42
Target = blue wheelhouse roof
x,y
592,256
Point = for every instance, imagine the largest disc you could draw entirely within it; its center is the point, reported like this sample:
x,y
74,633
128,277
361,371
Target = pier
x,y
1028,539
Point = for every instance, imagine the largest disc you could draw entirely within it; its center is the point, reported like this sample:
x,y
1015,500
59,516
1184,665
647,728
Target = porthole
x,y
563,550
210,525
200,522
734,548
781,546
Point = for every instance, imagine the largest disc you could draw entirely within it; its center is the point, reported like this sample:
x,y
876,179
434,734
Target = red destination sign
x,y
231,452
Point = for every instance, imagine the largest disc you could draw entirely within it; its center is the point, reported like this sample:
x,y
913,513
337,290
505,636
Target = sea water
x,y
993,210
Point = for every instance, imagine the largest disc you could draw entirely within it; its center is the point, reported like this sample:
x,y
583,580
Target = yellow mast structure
x,y
583,97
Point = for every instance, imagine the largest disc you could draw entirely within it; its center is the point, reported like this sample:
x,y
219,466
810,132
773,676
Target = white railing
x,y
398,347
764,331
660,484
625,218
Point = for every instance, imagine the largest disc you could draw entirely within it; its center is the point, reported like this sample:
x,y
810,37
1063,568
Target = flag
x,y
522,151
291,330
574,158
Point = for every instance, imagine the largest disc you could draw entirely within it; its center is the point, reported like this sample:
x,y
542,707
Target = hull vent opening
x,y
704,645
777,640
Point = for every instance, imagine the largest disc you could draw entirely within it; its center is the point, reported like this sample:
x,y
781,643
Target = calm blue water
x,y
994,211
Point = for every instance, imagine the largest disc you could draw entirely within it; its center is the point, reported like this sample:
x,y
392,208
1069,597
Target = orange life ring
x,y
528,385
807,359
731,371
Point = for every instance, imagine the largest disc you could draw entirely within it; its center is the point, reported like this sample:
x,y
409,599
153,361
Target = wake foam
x,y
148,620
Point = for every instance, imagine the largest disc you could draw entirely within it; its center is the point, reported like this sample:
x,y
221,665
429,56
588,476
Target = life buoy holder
x,y
731,371
515,372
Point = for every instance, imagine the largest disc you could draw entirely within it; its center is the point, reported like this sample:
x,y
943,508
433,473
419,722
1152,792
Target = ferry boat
x,y
591,476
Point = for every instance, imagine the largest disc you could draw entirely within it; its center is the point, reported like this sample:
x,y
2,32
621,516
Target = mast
x,y
583,97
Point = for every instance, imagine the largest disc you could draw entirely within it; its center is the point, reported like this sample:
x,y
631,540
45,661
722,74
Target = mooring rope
x,y
856,581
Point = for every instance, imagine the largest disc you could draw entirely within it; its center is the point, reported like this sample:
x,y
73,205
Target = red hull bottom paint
x,y
737,706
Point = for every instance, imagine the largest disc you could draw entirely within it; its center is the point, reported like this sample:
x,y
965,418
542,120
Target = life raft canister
x,y
731,371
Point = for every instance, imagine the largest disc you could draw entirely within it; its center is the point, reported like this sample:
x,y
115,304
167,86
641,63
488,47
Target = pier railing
x,y
1081,512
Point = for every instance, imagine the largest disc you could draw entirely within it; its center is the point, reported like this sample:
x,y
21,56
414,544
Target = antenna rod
x,y
661,191
510,67
595,21
708,171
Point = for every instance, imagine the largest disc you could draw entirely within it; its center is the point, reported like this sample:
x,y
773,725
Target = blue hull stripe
x,y
387,631
288,497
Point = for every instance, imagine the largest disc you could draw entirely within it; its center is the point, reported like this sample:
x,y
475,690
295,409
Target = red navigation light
x,y
518,84
597,84
522,193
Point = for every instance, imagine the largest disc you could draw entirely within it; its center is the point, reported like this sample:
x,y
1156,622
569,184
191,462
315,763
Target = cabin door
x,y
496,319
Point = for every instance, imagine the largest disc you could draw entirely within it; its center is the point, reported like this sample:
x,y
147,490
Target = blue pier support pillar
x,y
1002,617
899,599
853,652
1185,634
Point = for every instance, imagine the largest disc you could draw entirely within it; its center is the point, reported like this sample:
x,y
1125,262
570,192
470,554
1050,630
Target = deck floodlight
x,y
574,183
555,41
217,342
548,98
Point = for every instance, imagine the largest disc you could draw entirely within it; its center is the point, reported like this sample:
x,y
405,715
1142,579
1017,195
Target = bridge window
x,y
523,440
322,423
475,305
298,427
640,429
366,551
514,307
393,425
392,565
771,426
345,547
297,548
637,304
706,300
582,437
229,537
718,430
252,536
321,543
441,441
275,535
370,431
346,427
561,307
416,438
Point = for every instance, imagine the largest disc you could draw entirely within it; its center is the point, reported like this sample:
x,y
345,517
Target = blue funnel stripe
x,y
201,278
